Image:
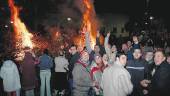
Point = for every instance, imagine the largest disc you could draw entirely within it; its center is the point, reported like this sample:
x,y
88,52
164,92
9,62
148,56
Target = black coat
x,y
160,82
138,70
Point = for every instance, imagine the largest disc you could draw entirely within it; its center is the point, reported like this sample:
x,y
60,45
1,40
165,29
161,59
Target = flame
x,y
89,21
22,35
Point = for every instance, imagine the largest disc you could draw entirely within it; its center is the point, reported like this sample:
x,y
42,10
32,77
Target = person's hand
x,y
145,83
145,92
95,84
84,30
98,33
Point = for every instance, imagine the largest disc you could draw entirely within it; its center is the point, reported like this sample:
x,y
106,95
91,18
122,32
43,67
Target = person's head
x,y
61,53
98,60
124,47
135,38
137,53
45,51
149,55
121,58
105,59
84,56
159,57
80,48
114,48
129,44
73,49
96,49
27,49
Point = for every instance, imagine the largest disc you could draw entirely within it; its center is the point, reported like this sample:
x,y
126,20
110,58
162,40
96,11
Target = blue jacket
x,y
46,62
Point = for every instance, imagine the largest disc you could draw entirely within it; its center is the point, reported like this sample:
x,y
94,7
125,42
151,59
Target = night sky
x,y
132,8
135,8
33,9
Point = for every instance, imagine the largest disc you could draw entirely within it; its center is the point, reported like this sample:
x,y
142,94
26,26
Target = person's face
x,y
80,48
124,47
135,39
137,53
168,59
73,50
149,56
129,43
96,49
123,59
98,59
105,59
85,56
114,48
159,58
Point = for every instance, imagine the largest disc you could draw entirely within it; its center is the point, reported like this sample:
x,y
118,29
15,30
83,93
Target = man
x,y
149,58
46,63
138,69
96,73
74,57
130,49
28,77
160,81
81,76
116,79
111,51
98,49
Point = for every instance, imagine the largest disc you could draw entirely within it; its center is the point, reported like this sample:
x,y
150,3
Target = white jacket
x,y
60,64
116,81
10,75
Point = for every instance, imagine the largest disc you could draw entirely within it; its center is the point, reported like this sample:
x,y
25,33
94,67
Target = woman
x,y
11,79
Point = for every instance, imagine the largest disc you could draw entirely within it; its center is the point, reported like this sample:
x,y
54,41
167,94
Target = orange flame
x,y
89,20
22,35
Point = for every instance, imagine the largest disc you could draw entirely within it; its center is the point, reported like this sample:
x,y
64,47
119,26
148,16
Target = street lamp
x,y
151,17
69,19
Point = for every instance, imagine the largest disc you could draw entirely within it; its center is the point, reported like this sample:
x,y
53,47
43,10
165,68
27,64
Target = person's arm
x,y
66,65
125,82
98,39
51,62
87,41
1,72
146,70
106,44
102,49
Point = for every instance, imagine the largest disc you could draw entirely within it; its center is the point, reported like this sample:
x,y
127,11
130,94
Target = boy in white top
x,y
116,79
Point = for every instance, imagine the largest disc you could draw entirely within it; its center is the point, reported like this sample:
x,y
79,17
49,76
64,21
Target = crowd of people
x,y
134,69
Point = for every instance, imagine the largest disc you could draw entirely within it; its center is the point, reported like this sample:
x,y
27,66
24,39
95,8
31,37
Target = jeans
x,y
45,76
29,92
18,92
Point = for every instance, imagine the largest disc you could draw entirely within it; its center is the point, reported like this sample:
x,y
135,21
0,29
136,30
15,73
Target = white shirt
x,y
60,64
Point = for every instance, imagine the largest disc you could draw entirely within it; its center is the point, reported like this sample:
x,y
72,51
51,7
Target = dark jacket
x,y
138,70
28,72
72,61
160,82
